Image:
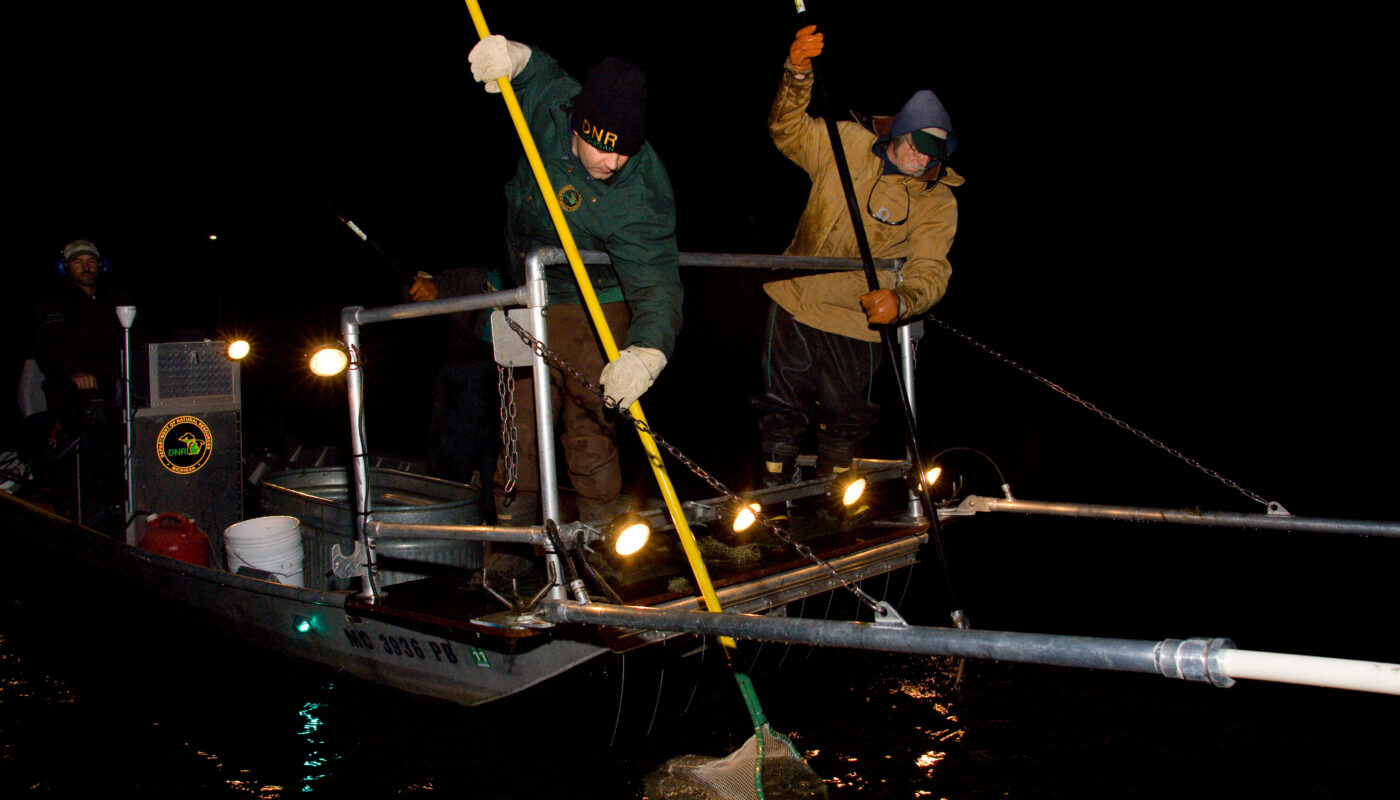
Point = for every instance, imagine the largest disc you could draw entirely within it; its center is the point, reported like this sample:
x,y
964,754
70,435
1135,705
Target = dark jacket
x,y
470,340
76,333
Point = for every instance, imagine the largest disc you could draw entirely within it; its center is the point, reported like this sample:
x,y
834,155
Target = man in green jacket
x,y
822,348
617,198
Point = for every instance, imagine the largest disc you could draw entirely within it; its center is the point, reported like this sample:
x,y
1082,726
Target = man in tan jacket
x,y
822,346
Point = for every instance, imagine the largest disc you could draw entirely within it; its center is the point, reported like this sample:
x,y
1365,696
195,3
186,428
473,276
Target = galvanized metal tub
x,y
320,499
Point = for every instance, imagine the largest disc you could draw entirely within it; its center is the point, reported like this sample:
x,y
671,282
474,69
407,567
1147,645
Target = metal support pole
x,y
537,298
1214,661
126,457
78,475
443,305
355,390
532,534
126,315
907,335
1192,659
1222,519
544,418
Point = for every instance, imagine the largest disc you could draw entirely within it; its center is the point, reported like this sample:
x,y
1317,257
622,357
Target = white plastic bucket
x,y
270,544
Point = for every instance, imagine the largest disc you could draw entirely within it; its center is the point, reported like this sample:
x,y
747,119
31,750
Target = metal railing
x,y
974,504
533,297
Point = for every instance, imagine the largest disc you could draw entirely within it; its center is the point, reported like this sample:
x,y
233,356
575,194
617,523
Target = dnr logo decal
x,y
569,198
184,445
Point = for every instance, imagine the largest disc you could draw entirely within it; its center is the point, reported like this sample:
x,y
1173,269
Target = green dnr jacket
x,y
632,217
831,301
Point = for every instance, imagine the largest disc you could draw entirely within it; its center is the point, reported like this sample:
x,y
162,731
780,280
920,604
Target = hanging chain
x,y
700,472
505,386
1116,421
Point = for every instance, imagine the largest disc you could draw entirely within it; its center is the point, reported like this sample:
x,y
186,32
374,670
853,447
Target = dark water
x,y
122,700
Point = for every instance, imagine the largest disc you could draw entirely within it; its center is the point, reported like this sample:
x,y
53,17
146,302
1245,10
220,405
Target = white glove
x,y
497,57
631,374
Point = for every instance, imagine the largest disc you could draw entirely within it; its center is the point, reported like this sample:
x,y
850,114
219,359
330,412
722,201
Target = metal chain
x,y
803,550
1090,406
505,386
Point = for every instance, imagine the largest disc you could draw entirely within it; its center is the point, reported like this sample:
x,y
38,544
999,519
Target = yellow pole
x,y
590,299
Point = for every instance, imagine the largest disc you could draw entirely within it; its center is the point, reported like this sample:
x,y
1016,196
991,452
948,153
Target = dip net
x,y
784,773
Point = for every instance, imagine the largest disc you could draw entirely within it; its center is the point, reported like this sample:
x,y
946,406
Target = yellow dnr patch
x,y
569,198
184,444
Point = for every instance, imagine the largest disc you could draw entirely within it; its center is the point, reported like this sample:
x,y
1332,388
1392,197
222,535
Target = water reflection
x,y
930,759
315,759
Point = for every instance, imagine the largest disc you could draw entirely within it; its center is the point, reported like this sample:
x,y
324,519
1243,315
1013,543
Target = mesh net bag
x,y
786,775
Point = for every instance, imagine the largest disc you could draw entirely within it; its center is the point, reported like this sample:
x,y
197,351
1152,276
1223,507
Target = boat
x,y
390,587
424,627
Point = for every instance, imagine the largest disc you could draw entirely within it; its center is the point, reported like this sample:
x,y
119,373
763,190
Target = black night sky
x,y
1173,212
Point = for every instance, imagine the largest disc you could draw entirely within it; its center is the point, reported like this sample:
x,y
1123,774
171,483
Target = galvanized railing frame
x,y
534,296
976,504
1206,660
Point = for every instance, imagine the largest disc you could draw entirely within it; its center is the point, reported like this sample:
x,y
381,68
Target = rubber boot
x,y
782,473
504,562
521,509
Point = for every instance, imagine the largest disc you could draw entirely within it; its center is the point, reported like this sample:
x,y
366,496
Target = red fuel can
x,y
175,536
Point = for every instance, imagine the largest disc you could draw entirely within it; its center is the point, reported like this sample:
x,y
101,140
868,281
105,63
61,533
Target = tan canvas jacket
x,y
831,301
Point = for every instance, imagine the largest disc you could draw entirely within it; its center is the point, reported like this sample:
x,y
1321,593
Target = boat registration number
x,y
404,646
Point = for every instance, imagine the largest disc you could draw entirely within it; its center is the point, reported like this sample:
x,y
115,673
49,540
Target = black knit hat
x,y
611,111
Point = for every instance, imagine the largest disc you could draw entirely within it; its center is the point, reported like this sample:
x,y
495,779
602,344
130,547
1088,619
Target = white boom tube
x,y
1335,673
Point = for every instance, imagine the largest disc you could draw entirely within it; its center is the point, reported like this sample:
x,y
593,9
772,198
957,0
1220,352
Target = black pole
x,y
402,272
843,170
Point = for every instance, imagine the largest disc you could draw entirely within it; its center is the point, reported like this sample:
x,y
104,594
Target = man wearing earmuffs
x,y
78,346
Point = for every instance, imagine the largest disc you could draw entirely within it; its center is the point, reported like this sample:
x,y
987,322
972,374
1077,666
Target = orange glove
x,y
805,47
424,288
881,306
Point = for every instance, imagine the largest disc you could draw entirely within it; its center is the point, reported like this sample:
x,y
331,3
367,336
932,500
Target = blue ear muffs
x,y
61,266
